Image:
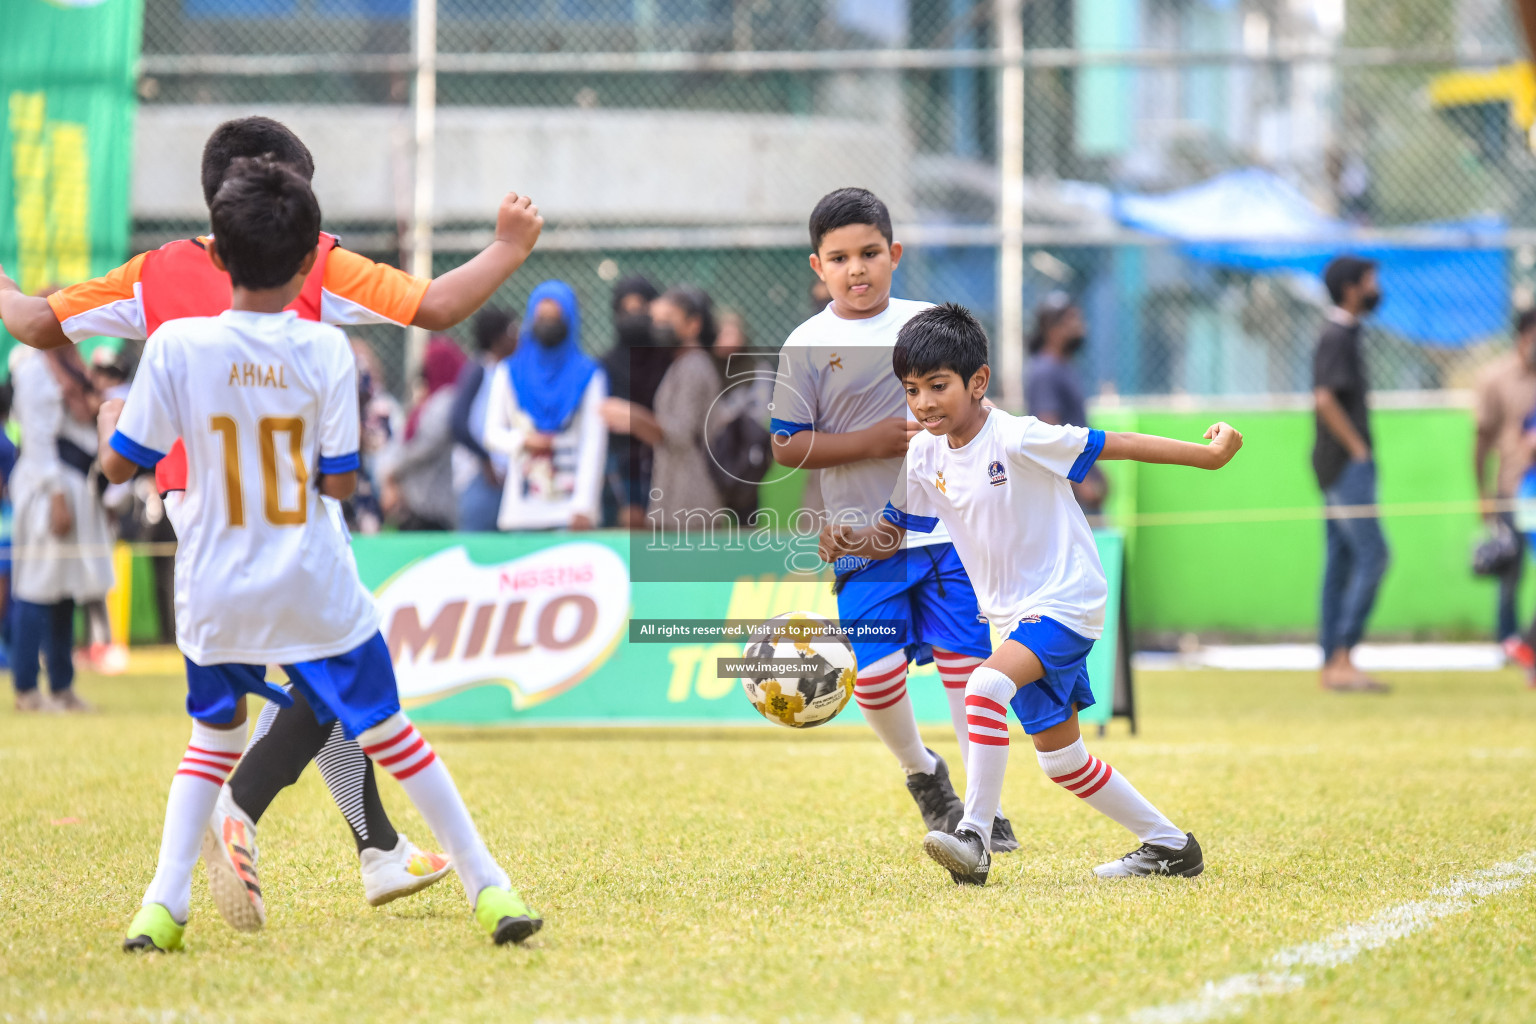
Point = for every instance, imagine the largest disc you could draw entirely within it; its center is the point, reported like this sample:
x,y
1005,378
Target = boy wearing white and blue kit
x,y
266,404
836,408
1002,485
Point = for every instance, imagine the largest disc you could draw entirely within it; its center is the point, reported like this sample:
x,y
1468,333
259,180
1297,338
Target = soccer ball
x,y
814,690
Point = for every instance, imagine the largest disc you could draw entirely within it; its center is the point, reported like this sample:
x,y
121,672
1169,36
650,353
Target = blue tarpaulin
x,y
1444,284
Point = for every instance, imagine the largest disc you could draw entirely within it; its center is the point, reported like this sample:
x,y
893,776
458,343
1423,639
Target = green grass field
x,y
765,875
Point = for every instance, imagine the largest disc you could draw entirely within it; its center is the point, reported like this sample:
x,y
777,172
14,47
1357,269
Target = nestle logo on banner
x,y
537,624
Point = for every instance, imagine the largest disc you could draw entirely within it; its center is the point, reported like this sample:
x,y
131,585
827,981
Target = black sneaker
x,y
1156,860
935,796
962,853
1003,839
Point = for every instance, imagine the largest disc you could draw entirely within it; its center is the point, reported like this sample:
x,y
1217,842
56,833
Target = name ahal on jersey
x,y
255,375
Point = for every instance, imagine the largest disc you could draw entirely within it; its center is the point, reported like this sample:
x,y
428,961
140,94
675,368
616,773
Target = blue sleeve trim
x,y
134,452
330,464
786,428
1085,461
908,521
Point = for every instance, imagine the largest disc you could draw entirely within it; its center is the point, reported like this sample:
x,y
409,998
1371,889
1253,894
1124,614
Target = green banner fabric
x,y
536,629
67,71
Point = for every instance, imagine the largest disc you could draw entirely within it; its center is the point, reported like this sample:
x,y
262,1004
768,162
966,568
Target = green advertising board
x,y
67,72
544,629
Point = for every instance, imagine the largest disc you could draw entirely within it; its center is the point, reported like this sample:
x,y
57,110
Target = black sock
x,y
277,759
349,774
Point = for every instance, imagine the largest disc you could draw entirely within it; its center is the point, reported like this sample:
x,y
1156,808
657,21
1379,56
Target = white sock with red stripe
x,y
1108,792
396,746
987,694
210,757
881,690
954,672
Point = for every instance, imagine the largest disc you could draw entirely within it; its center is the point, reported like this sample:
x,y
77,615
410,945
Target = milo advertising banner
x,y
553,628
67,72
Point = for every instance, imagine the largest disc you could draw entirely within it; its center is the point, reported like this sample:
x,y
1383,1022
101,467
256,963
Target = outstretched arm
x,y
29,318
1224,443
819,449
452,297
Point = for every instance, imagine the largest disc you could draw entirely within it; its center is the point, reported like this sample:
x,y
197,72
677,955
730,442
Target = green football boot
x,y
153,930
504,916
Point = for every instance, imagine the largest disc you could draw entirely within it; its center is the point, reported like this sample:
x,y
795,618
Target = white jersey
x,y
1018,530
835,376
264,402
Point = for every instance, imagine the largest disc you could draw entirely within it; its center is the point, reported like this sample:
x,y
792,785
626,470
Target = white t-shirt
x,y
264,402
835,376
1018,530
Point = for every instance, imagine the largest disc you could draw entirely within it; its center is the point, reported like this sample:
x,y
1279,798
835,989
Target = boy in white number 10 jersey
x,y
267,406
1000,483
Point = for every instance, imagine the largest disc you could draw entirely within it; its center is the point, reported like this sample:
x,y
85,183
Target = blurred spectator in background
x,y
479,475
63,548
635,367
730,338
382,421
1506,395
1344,461
1053,393
109,376
682,321
820,296
7,464
545,415
416,476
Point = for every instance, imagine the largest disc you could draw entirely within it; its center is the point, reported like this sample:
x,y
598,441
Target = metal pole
x,y
425,116
1009,342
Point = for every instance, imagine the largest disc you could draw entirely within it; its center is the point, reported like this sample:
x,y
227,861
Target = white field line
x,y
1290,969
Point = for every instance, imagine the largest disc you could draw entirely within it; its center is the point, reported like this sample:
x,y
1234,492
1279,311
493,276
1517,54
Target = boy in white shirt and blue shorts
x,y
836,408
1002,485
266,404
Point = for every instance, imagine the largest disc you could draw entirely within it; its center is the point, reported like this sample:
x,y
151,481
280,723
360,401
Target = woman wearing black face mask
x,y
635,367
545,414
682,322
1052,391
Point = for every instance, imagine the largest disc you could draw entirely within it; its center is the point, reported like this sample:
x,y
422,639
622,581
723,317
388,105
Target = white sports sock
x,y
210,757
987,694
1109,793
881,690
396,746
954,671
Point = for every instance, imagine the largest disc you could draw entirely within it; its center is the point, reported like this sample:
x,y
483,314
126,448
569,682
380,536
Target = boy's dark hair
x,y
491,325
695,302
251,136
265,221
1343,273
943,337
848,206
1525,320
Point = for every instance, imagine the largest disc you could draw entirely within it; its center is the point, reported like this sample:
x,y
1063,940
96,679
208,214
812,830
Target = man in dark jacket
x,y
1343,458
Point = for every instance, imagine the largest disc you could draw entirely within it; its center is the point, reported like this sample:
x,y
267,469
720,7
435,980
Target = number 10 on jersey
x,y
267,429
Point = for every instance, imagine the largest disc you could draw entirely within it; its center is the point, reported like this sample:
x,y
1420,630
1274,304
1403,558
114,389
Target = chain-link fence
x,y
688,140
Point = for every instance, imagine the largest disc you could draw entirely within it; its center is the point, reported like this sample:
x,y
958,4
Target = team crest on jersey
x,y
938,482
834,362
996,475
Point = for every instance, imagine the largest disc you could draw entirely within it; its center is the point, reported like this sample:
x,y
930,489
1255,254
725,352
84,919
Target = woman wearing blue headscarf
x,y
545,414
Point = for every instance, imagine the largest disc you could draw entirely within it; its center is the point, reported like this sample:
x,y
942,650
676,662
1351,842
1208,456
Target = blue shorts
x,y
357,688
1064,688
214,691
927,593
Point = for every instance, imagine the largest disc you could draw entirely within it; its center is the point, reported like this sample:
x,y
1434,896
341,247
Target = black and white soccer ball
x,y
817,686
